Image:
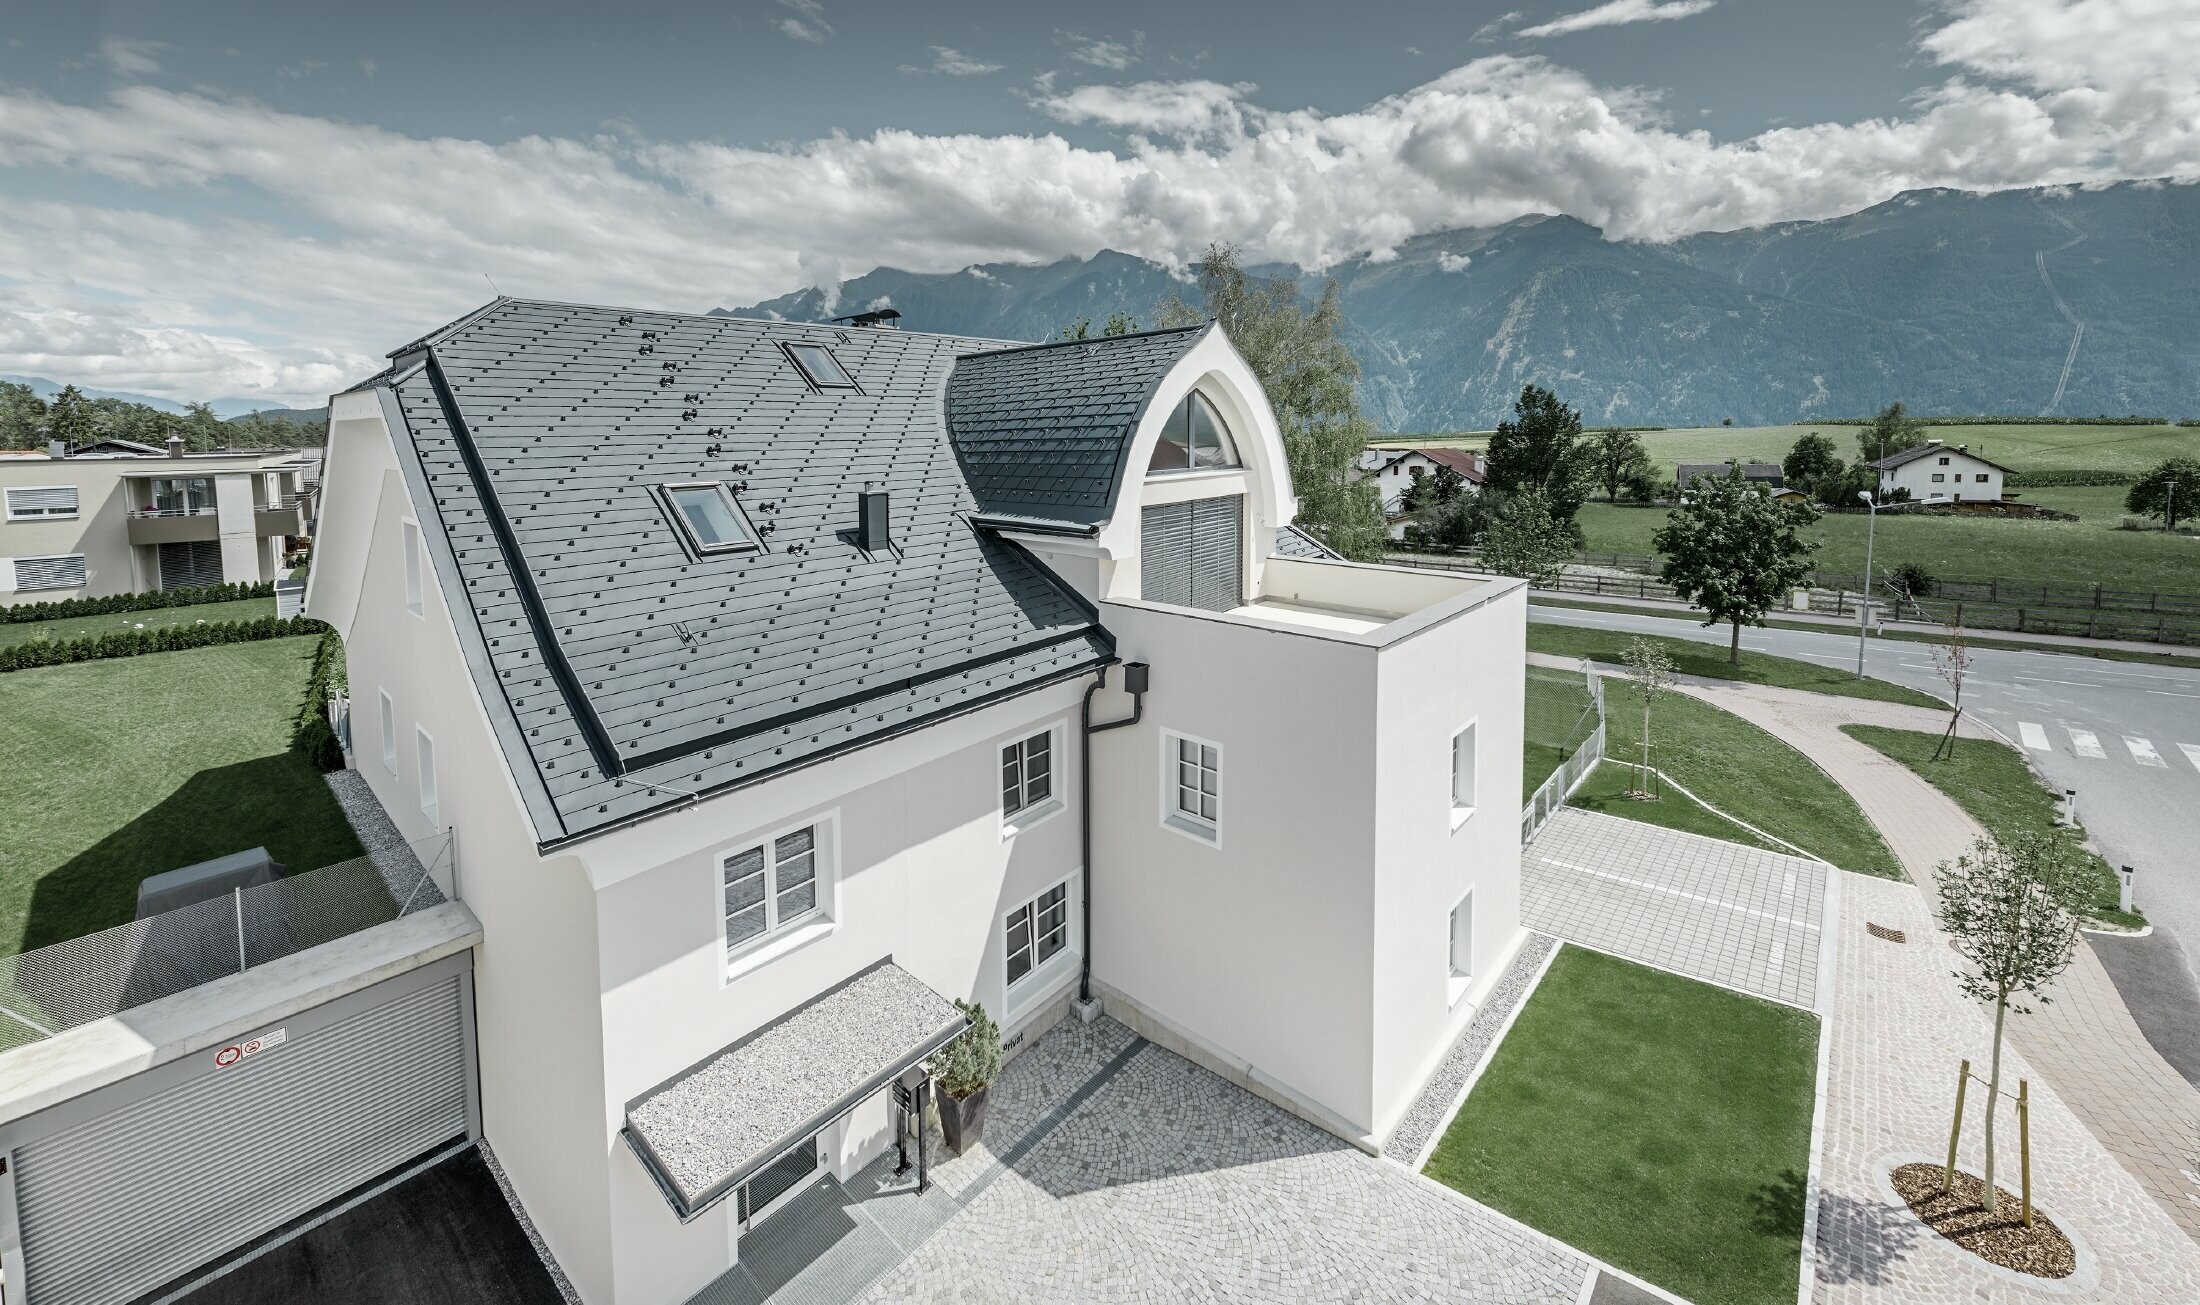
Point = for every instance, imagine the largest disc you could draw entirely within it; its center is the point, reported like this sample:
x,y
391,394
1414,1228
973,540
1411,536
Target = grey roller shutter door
x,y
117,1205
194,565
1192,554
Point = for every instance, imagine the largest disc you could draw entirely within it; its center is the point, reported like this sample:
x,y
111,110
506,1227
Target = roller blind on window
x,y
1190,554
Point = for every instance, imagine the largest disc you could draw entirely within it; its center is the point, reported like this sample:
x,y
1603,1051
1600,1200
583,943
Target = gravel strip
x,y
1441,1093
386,847
527,1225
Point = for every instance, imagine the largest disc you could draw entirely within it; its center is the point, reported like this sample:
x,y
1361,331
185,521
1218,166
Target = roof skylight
x,y
820,368
707,512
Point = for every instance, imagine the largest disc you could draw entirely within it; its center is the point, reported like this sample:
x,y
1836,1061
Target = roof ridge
x,y
439,334
1093,339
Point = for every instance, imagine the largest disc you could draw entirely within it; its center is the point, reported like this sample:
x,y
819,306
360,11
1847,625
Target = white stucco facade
x,y
1305,940
1947,474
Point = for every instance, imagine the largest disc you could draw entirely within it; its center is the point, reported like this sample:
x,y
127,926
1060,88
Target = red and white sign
x,y
237,1051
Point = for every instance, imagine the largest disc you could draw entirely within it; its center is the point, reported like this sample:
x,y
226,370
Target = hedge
x,y
145,602
1996,421
2074,477
311,736
137,643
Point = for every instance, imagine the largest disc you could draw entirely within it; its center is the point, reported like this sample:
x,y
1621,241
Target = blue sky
x,y
260,199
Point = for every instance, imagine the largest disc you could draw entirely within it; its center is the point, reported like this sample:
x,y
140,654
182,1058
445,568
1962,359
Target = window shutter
x,y
42,501
1165,554
65,572
1216,553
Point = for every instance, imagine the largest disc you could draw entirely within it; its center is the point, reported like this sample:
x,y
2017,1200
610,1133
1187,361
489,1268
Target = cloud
x,y
807,22
1114,56
131,58
1495,27
954,63
369,67
299,274
1453,262
1619,13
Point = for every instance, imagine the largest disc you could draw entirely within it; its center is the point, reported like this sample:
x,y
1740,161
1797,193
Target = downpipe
x,y
1134,683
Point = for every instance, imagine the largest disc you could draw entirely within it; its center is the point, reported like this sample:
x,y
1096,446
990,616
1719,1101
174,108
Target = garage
x,y
127,1188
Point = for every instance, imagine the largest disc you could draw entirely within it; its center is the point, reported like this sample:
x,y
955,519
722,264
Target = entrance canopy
x,y
709,1128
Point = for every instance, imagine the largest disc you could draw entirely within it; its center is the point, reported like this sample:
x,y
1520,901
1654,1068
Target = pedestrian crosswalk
x,y
2085,743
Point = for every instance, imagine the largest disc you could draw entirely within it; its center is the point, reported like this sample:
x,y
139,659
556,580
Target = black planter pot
x,y
962,1119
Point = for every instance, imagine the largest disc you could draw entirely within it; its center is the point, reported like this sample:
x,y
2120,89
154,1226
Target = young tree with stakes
x,y
2012,909
1952,658
1734,551
1651,672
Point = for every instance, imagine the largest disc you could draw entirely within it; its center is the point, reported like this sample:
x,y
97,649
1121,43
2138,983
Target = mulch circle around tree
x,y
1999,1238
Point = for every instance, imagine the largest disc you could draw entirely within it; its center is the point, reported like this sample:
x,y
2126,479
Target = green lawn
x,y
1747,773
115,770
1709,661
77,627
2128,449
1658,1123
1990,779
1560,717
2088,551
1606,790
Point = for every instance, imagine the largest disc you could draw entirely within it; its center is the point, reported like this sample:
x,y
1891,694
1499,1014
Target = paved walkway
x,y
2084,1041
1126,1173
1699,906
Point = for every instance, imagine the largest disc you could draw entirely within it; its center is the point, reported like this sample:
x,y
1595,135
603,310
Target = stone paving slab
x,y
2085,1041
1706,908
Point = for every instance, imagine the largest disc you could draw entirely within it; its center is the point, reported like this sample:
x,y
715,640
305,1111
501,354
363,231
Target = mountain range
x,y
2057,301
226,409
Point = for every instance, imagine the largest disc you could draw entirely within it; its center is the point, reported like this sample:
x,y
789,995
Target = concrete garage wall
x,y
1428,684
924,875
538,1039
1259,947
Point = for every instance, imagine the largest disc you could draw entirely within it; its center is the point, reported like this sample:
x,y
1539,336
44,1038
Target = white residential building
x,y
1936,472
1396,470
752,769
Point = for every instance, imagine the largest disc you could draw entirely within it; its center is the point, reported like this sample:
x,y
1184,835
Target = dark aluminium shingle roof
x,y
1043,432
623,672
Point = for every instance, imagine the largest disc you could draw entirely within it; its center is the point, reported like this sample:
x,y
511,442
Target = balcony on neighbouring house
x,y
173,525
285,516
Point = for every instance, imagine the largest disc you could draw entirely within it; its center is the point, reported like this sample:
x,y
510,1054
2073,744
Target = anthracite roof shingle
x,y
1042,432
624,672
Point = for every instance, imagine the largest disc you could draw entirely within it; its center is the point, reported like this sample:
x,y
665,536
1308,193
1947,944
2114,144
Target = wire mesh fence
x,y
1562,739
69,984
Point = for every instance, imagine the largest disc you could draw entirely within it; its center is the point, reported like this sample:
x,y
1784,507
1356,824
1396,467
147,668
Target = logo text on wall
x,y
249,1048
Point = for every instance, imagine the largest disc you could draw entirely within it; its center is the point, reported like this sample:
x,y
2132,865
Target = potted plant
x,y
964,1071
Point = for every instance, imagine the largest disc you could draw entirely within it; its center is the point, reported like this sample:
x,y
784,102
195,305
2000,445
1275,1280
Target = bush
x,y
972,1061
2001,421
1912,579
137,643
146,602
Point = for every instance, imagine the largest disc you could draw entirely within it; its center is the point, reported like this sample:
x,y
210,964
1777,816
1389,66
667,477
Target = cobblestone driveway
x,y
1705,908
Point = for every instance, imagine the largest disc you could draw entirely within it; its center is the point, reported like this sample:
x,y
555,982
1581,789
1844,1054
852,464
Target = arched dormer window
x,y
1193,440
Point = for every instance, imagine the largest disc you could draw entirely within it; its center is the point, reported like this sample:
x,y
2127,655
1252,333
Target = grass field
x,y
1747,773
115,770
1658,1123
1606,790
77,627
1709,661
1989,779
2130,449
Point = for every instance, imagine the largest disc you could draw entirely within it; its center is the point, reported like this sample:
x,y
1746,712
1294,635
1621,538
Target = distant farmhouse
x,y
1765,475
1396,470
1935,472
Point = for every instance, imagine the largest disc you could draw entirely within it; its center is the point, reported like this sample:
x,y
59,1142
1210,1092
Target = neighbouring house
x,y
1934,471
1766,475
1397,470
117,517
1040,696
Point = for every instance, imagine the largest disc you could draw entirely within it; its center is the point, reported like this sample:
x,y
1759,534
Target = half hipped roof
x,y
623,670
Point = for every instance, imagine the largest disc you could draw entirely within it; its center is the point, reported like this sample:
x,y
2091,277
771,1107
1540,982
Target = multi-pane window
x,y
1038,931
1939,476
1027,773
772,886
1194,785
1982,478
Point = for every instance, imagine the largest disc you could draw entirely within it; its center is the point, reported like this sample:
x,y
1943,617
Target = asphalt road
x,y
2125,735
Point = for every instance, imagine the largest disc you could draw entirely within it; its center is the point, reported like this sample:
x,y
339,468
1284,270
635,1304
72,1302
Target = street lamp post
x,y
1864,614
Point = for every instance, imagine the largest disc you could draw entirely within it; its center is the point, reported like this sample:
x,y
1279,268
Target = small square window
x,y
1192,787
712,520
820,368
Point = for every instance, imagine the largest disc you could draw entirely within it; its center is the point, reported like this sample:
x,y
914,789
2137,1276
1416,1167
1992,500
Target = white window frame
x,y
416,580
1044,977
428,776
42,514
389,731
1460,814
1026,818
777,940
1191,826
1458,983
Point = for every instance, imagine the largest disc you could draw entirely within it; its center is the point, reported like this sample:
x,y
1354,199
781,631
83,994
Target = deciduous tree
x,y
1616,458
1734,551
1650,670
1539,447
1524,537
2170,492
1892,431
2012,909
1813,467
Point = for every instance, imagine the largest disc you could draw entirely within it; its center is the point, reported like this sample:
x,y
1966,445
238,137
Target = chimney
x,y
871,533
1963,448
175,446
1934,443
56,449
